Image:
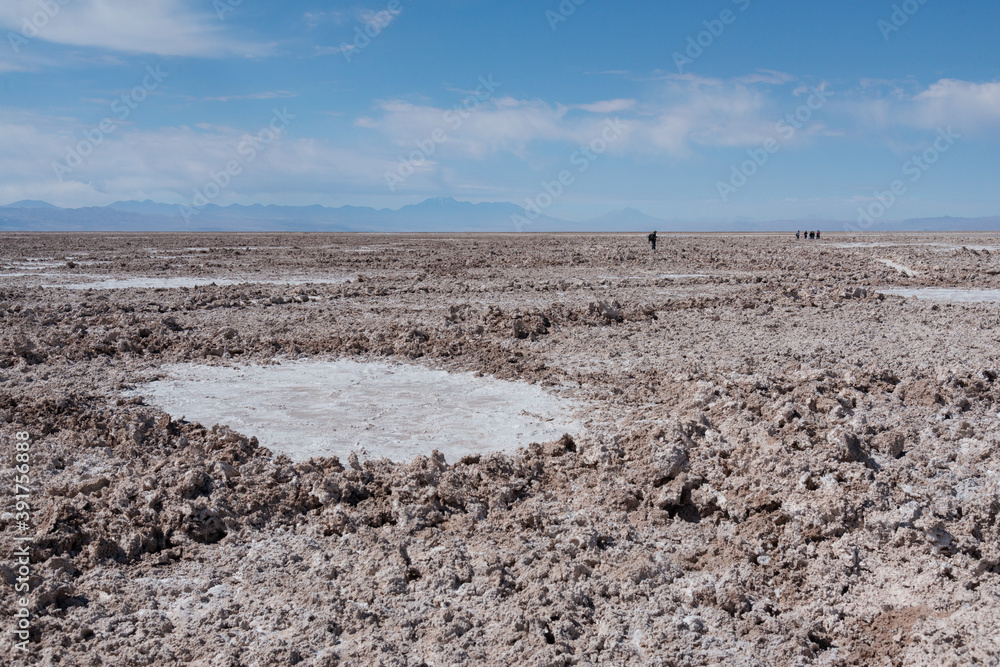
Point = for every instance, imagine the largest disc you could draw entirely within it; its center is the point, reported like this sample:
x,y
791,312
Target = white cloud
x,y
379,19
679,118
966,106
7,64
315,19
766,76
331,50
707,112
161,27
167,164
267,95
608,106
690,112
499,124
963,104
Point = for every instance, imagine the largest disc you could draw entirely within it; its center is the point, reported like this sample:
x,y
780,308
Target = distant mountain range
x,y
440,214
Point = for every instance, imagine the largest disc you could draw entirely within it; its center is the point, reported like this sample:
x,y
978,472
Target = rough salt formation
x,y
783,465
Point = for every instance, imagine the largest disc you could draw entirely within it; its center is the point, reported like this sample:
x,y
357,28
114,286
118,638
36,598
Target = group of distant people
x,y
812,236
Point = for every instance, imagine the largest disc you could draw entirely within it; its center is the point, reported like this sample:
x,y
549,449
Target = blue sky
x,y
711,110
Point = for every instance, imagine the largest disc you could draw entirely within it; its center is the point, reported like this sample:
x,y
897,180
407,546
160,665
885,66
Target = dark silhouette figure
x,y
817,234
796,236
812,235
652,239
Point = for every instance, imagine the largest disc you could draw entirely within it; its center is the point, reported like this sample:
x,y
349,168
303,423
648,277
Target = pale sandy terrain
x,y
779,462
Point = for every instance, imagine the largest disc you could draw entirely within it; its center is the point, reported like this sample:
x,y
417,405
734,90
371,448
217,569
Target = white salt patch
x,y
946,294
151,283
866,245
175,283
202,250
936,247
660,276
35,265
979,248
165,256
366,249
688,275
905,270
397,411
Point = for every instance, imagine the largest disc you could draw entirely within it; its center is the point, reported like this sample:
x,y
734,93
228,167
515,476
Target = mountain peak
x,y
31,203
440,202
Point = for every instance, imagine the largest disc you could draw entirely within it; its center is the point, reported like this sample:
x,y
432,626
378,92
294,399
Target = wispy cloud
x,y
972,106
316,19
608,106
166,164
268,95
676,118
9,65
380,19
332,50
160,27
502,124
967,105
686,112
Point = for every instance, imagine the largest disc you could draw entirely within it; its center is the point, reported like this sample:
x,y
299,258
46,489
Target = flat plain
x,y
783,452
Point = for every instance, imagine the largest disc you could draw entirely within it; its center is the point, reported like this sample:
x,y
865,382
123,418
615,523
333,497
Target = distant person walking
x,y
652,240
817,235
796,235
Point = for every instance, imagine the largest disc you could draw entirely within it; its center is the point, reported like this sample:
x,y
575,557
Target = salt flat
x,y
308,409
791,460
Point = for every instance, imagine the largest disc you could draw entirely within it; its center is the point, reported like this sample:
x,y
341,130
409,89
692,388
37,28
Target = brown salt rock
x,y
890,443
845,446
923,392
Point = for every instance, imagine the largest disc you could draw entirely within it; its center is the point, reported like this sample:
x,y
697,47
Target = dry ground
x,y
782,467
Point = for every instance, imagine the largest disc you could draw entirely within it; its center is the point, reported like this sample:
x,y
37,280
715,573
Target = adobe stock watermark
x,y
122,108
224,8
581,158
714,28
914,169
901,15
23,520
372,28
250,146
565,9
786,128
31,26
454,118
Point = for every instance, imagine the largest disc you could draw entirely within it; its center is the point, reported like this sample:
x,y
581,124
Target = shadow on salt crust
x,y
322,408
